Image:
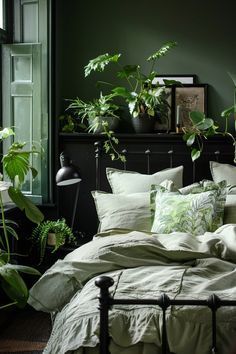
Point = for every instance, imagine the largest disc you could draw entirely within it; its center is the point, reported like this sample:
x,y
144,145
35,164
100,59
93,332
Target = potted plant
x,y
54,233
203,127
144,99
96,112
16,165
99,116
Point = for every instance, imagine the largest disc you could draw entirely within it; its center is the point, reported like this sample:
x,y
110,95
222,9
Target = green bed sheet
x,y
143,265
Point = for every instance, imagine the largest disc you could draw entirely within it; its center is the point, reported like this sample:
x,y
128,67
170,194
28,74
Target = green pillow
x,y
191,213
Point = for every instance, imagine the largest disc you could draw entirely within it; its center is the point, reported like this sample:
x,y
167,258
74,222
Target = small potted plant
x,y
99,116
96,112
54,233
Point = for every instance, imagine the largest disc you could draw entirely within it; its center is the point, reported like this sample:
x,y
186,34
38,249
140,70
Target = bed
x,y
140,254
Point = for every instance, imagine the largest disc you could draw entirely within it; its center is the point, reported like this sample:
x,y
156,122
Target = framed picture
x,y
184,79
188,98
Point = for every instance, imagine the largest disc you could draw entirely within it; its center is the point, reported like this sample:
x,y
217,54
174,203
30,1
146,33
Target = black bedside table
x,y
50,258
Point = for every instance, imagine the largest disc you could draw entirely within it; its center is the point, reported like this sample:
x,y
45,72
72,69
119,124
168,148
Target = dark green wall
x,y
204,29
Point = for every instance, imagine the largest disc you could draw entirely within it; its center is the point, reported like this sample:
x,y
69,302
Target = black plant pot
x,y
113,124
143,123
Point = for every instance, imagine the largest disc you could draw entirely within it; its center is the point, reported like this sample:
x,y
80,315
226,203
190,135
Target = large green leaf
x,y
25,204
22,269
100,62
128,71
197,117
162,51
13,285
16,163
123,92
205,124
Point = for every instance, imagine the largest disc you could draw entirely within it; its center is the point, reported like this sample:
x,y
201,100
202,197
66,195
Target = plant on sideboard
x,y
54,233
145,100
142,97
16,165
201,129
99,116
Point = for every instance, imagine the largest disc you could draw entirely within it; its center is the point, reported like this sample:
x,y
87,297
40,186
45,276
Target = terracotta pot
x,y
143,123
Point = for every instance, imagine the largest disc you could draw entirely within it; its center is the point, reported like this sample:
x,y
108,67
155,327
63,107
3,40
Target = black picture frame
x,y
188,79
187,98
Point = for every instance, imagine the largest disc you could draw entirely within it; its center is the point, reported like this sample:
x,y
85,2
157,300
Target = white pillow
x,y
131,211
126,182
223,171
230,210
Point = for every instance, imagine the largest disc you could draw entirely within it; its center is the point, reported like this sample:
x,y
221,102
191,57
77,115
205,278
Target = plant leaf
x,y
5,133
128,71
233,77
25,204
195,154
197,117
162,51
227,112
99,63
191,139
13,285
205,124
22,269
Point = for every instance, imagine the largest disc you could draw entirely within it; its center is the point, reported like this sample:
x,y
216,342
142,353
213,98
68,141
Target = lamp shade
x,y
67,174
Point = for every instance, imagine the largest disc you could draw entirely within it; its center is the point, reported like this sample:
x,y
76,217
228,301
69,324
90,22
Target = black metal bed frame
x,y
106,302
104,282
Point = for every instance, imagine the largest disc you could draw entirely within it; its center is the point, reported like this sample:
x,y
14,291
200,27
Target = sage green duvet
x,y
143,265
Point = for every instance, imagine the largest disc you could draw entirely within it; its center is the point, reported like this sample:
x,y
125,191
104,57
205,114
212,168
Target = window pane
x,y
1,14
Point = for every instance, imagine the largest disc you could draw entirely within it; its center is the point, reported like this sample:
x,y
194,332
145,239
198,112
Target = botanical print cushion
x,y
221,193
126,182
191,213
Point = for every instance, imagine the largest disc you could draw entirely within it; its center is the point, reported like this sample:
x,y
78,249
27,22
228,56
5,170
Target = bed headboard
x,y
145,153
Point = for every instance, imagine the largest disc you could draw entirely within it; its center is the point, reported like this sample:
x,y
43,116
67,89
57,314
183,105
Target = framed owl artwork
x,y
188,98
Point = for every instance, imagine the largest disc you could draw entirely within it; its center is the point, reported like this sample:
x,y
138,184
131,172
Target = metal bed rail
x,y
106,301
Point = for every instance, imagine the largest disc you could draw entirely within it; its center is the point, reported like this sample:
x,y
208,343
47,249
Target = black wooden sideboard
x,y
145,153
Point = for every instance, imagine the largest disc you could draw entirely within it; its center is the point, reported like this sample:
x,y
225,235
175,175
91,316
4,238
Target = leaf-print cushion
x,y
221,194
192,213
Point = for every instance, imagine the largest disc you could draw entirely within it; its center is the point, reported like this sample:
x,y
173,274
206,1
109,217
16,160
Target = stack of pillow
x,y
159,203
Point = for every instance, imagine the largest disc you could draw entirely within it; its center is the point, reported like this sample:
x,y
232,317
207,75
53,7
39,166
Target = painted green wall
x,y
204,29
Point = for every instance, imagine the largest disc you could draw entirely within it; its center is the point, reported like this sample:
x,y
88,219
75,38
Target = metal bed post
x,y
213,304
104,283
164,304
98,152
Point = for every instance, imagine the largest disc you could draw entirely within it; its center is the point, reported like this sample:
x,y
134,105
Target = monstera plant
x,y
16,165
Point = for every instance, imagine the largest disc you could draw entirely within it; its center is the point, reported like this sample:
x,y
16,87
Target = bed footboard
x,y
106,302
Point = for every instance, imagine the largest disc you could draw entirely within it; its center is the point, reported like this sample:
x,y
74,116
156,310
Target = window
x,y
25,97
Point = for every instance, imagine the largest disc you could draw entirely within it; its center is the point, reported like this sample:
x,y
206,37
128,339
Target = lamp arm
x,y
75,206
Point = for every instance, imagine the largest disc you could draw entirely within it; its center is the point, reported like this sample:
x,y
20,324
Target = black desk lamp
x,y
66,176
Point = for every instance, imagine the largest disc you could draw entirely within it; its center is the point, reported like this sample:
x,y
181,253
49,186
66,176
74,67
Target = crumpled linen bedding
x,y
143,265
